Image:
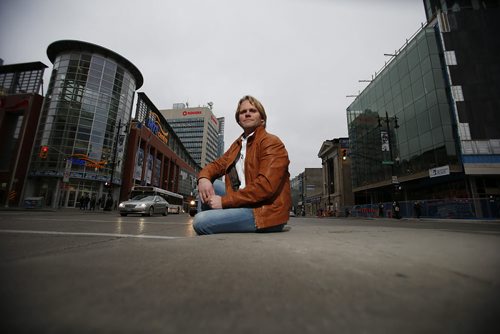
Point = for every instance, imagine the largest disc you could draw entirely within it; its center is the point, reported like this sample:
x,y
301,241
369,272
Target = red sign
x,y
188,113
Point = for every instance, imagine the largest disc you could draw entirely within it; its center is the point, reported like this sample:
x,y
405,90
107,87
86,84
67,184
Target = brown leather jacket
x,y
267,179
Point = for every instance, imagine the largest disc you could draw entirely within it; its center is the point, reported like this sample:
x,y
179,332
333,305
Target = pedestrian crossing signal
x,y
44,151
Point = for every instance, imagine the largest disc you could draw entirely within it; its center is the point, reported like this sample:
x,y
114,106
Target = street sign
x,y
439,171
387,162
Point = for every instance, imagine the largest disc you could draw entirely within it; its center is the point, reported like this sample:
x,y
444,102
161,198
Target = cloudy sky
x,y
300,58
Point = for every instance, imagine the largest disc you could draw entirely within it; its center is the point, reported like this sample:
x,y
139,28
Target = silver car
x,y
147,205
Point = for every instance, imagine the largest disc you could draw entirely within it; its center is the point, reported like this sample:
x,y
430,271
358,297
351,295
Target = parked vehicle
x,y
175,200
147,205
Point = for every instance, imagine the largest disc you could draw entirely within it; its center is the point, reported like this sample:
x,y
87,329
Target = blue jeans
x,y
210,221
232,220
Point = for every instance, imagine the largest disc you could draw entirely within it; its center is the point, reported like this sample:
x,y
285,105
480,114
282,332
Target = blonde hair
x,y
254,102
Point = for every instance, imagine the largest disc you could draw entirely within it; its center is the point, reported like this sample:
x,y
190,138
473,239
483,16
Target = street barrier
x,y
458,208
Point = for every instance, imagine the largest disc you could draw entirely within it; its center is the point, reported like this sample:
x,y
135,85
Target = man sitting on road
x,y
256,196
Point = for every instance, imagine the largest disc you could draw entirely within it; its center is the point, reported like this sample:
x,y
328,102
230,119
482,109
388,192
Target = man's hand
x,y
205,190
215,202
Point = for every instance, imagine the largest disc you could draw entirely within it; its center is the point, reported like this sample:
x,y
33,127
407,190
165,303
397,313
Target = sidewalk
x,y
389,219
416,220
49,209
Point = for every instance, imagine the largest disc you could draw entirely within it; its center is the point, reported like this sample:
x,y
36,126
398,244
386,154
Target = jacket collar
x,y
257,133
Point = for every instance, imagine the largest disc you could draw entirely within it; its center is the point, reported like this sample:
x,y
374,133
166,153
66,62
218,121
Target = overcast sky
x,y
300,58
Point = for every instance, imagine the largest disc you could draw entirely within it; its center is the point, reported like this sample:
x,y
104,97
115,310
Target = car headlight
x,y
192,202
142,205
121,205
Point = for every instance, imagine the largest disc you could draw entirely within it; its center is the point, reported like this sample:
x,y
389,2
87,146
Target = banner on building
x,y
149,169
67,171
156,176
384,136
139,158
439,171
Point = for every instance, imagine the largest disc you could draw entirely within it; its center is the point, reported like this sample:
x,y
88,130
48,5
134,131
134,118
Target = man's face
x,y
249,117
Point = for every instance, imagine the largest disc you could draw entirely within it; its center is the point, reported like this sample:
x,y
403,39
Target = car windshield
x,y
143,198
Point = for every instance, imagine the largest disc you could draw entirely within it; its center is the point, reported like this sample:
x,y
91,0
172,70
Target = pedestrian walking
x,y
103,201
256,195
92,203
396,210
417,208
87,202
109,203
82,202
381,209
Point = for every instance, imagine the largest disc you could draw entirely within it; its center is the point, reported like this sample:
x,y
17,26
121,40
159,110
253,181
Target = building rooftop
x,y
23,67
71,45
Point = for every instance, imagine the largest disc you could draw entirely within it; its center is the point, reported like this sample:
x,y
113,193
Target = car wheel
x,y
165,212
151,211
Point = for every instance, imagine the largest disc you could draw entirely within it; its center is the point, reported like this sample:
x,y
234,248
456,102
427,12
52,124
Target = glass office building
x,y
400,126
424,127
85,115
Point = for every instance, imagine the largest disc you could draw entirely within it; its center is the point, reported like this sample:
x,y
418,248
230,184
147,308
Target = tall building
x,y
20,105
221,144
87,108
155,156
468,32
337,188
296,190
424,127
198,129
306,191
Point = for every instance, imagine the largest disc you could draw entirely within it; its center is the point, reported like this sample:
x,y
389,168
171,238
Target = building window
x,y
456,92
450,58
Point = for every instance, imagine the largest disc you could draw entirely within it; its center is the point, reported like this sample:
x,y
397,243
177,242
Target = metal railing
x,y
458,208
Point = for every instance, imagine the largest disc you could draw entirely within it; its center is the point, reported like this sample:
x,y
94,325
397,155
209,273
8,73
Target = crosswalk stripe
x,y
116,235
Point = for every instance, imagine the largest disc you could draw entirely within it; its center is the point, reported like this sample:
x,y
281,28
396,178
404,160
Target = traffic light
x,y
44,151
344,154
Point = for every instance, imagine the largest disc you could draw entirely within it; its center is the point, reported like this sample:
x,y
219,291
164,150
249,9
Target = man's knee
x,y
199,223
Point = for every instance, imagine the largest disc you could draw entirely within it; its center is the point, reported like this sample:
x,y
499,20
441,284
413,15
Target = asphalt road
x,y
79,272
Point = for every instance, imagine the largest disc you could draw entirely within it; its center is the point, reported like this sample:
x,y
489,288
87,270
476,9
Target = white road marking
x,y
116,235
109,221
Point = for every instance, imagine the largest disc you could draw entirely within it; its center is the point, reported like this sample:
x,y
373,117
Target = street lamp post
x,y
113,160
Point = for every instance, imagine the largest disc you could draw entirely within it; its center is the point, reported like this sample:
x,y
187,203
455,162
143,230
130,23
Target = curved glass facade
x,y
86,110
406,107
